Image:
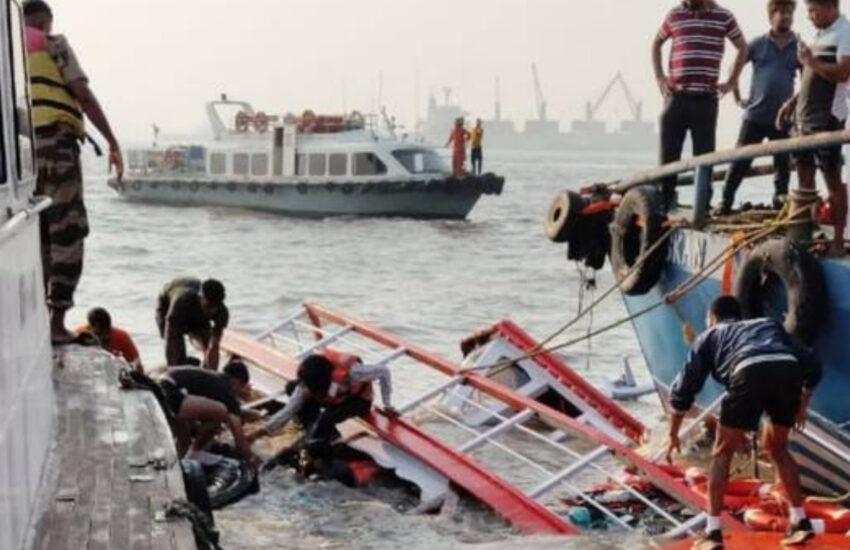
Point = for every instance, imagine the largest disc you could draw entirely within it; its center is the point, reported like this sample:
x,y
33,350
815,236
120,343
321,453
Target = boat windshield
x,y
420,161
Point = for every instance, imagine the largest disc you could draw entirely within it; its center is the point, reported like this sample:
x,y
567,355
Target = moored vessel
x,y
310,166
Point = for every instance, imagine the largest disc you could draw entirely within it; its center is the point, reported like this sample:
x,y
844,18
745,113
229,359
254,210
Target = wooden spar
x,y
520,402
770,148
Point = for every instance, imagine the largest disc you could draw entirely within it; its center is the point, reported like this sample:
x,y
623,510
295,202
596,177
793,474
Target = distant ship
x,y
543,134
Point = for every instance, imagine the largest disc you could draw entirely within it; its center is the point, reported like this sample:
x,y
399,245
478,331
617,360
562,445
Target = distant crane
x,y
498,110
539,100
635,106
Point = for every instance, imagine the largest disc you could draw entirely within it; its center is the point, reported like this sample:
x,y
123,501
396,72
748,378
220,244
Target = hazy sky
x,y
160,60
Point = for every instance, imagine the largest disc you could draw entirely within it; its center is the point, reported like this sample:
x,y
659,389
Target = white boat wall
x,y
26,389
307,166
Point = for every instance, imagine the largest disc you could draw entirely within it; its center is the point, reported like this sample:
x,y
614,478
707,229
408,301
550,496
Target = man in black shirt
x,y
206,400
188,307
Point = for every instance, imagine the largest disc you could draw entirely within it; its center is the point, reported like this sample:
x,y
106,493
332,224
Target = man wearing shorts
x,y
765,372
821,105
202,402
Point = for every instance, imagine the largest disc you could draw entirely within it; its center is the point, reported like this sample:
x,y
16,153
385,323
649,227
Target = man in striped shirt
x,y
698,30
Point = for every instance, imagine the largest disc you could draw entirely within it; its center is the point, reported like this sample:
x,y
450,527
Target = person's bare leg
x,y
729,440
776,442
183,436
838,202
203,410
206,432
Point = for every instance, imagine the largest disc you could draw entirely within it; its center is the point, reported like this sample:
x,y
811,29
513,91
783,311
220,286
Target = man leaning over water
x,y
61,96
764,372
775,67
698,30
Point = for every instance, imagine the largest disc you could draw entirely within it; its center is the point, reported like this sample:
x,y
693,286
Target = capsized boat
x,y
530,438
670,269
306,166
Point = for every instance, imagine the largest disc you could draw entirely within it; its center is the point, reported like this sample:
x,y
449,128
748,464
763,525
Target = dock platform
x,y
113,466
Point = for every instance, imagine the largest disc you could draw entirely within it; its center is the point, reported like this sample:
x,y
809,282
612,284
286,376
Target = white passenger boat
x,y
307,166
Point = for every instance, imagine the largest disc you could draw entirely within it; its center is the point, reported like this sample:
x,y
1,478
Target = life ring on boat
x,y
308,120
782,262
268,189
347,188
301,188
243,120
212,185
564,211
231,187
773,516
253,187
638,224
169,159
194,186
740,493
261,122
330,187
153,184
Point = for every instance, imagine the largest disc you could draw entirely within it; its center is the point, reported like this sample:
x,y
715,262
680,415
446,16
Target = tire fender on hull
x,y
801,277
639,223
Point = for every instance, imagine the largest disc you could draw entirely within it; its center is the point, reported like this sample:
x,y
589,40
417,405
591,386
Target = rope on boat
x,y
782,221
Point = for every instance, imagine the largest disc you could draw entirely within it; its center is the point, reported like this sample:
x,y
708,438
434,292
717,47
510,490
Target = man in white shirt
x,y
821,105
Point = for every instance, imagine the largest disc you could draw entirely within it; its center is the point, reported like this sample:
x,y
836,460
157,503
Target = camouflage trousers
x,y
64,226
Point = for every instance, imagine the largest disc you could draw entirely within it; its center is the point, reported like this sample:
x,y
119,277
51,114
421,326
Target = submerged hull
x,y
824,450
433,199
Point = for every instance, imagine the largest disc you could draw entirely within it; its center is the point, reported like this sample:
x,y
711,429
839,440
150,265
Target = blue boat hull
x,y
824,455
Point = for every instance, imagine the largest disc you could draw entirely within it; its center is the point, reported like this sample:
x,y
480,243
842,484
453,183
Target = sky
x,y
158,61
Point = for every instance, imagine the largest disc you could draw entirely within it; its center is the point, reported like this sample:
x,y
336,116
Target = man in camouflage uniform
x,y
60,97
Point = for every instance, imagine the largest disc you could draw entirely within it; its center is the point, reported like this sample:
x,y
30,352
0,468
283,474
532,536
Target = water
x,y
430,281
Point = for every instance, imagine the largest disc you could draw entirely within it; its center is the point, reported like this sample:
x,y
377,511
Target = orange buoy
x,y
261,122
773,516
242,122
740,493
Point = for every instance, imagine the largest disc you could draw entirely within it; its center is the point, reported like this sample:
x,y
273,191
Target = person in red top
x,y
458,139
112,339
698,30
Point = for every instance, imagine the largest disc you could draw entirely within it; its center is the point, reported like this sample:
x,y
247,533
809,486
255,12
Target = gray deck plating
x,y
100,489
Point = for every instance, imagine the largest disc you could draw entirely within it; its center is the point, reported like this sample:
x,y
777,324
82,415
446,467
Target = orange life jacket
x,y
341,386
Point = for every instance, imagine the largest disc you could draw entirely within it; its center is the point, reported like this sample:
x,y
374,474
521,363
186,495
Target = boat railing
x,y
702,166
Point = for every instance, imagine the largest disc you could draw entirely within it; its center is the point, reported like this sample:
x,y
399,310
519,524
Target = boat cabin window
x,y
260,164
338,164
241,163
218,163
23,128
367,164
301,164
318,164
420,161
